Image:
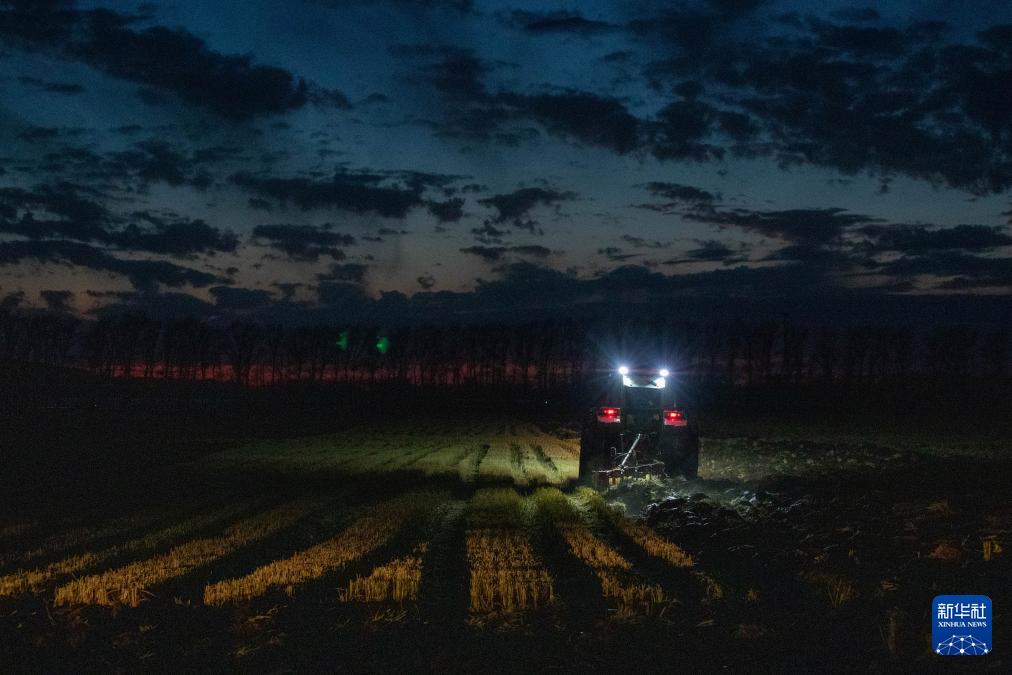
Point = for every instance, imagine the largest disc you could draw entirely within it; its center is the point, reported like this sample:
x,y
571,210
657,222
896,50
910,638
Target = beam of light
x,y
623,370
664,372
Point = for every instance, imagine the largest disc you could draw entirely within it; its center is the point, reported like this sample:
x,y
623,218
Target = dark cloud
x,y
354,192
139,166
711,251
12,300
640,242
228,297
688,32
736,6
616,254
856,14
558,22
342,295
179,237
514,207
984,270
488,233
161,306
497,253
34,133
462,6
51,87
795,225
577,116
918,238
681,132
62,211
449,211
860,40
586,118
157,161
456,72
58,301
304,242
426,281
353,273
678,193
172,60
142,273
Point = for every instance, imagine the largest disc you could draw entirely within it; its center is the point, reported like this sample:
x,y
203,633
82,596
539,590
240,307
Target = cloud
x,y
64,213
353,273
514,207
178,237
342,295
67,88
587,118
818,225
228,297
172,60
711,251
142,273
995,271
678,193
640,242
449,211
426,281
456,72
736,6
156,305
558,22
615,254
70,214
681,131
462,6
856,14
355,192
497,253
156,161
58,301
304,242
918,238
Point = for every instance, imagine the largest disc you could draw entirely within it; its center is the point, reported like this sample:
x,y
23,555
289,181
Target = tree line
x,y
532,356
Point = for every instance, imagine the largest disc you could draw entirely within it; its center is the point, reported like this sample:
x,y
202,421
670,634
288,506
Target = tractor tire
x,y
681,455
593,457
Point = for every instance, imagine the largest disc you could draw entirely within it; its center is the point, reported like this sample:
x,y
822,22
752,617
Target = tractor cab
x,y
635,428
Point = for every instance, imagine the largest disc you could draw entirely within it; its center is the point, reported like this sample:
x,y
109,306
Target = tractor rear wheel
x,y
681,455
593,457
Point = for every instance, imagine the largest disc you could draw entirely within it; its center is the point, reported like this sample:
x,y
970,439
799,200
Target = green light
x,y
342,341
383,344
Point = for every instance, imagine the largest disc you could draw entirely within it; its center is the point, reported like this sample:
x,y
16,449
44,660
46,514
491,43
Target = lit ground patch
x,y
506,576
34,580
520,453
363,536
129,585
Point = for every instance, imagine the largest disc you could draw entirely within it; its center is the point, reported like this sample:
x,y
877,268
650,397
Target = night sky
x,y
315,159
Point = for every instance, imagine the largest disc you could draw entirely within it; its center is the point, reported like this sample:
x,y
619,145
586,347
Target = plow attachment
x,y
628,463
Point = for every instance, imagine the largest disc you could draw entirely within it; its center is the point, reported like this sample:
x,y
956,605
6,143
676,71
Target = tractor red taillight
x,y
608,415
674,418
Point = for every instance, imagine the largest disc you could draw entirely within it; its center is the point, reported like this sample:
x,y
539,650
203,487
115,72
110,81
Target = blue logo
x,y
961,625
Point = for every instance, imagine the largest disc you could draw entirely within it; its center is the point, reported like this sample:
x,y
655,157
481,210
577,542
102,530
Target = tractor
x,y
637,428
